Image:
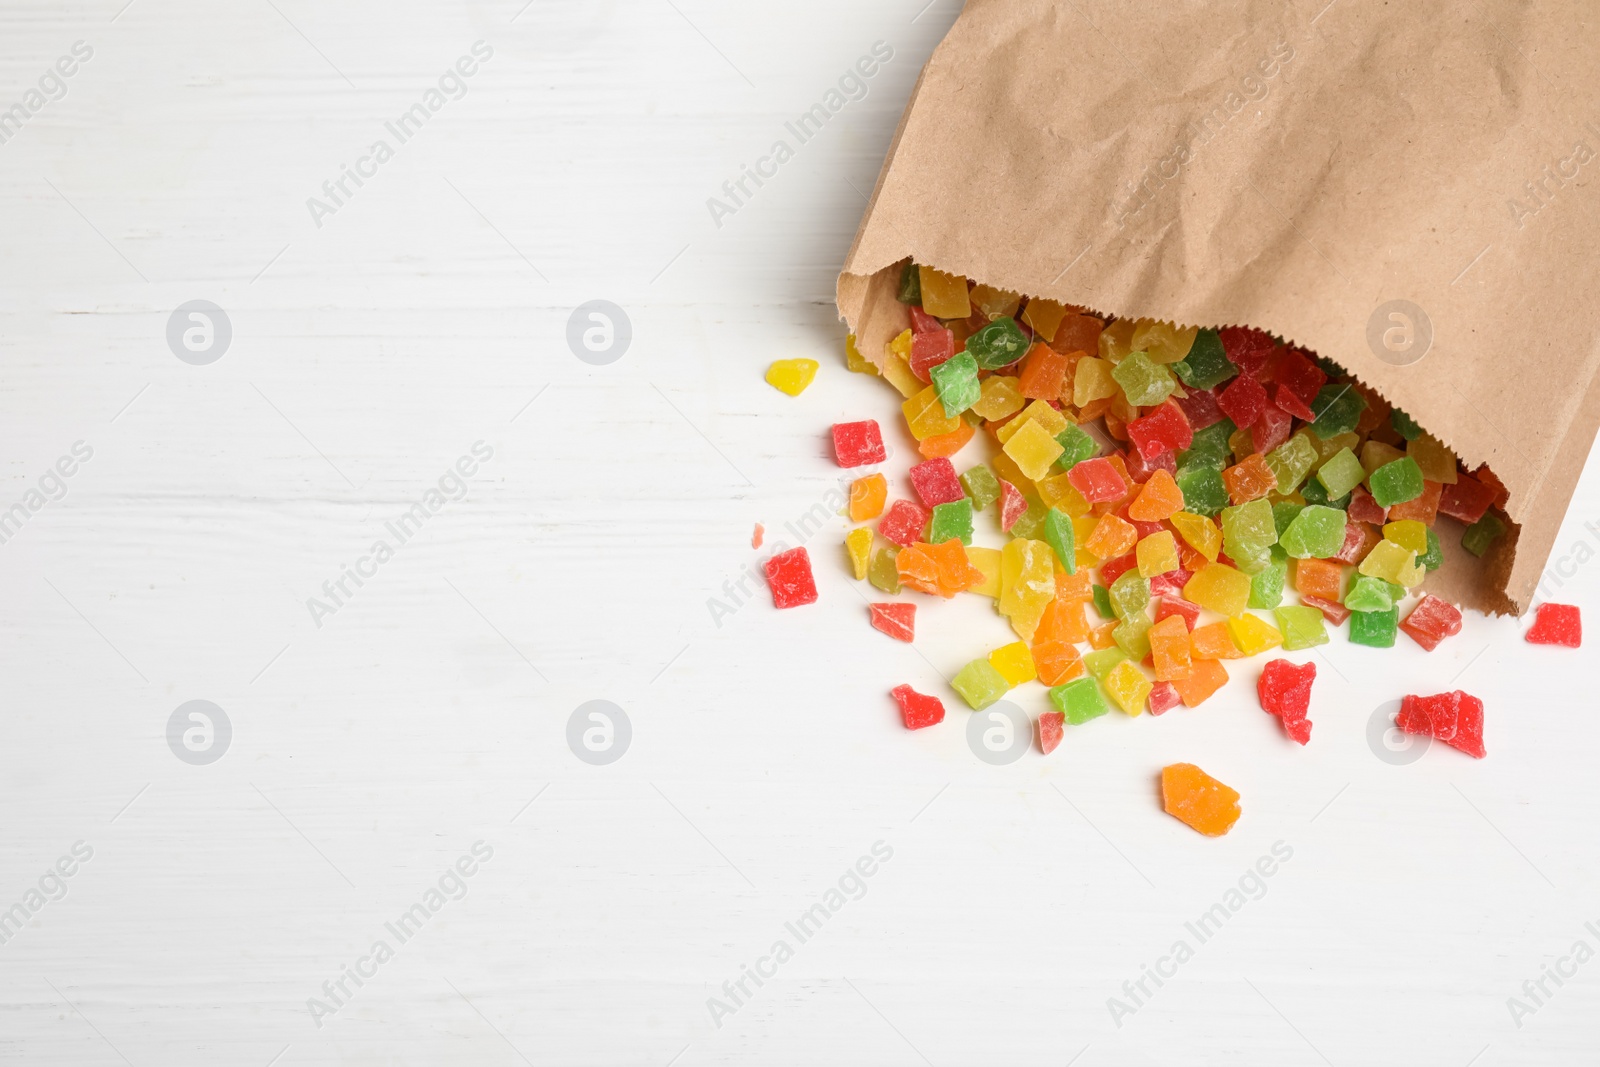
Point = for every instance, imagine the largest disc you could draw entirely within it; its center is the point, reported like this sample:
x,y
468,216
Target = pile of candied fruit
x,y
1161,491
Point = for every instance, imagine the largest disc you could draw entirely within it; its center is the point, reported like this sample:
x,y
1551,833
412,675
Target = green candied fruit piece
x,y
1291,461
1132,636
1397,593
1207,365
1204,492
1209,447
910,284
1483,533
981,486
1367,593
883,573
1248,528
956,382
999,344
951,520
1337,408
1404,425
1283,513
1376,629
1059,536
1100,662
1102,601
980,684
1266,585
1252,561
1316,533
1078,446
1079,701
1432,559
1301,626
1315,493
1341,473
1130,593
1145,383
1031,523
1396,483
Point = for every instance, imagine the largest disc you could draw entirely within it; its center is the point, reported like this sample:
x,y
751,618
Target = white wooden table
x,y
422,716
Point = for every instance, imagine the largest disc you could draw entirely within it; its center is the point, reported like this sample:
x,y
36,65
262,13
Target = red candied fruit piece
x,y
1163,698
1285,691
922,322
789,577
1431,621
1200,408
1359,539
1012,505
1164,429
936,483
917,709
856,444
1112,569
1301,377
1140,469
1243,400
1557,624
1097,480
1170,582
903,523
1246,348
1286,401
1272,429
1051,726
1334,612
1456,718
1176,605
1365,509
1140,527
899,621
929,349
1466,500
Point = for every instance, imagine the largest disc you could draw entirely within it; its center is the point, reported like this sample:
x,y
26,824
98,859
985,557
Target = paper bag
x,y
1411,190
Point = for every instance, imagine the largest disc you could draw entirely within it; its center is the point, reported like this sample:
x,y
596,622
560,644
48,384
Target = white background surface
x,y
369,753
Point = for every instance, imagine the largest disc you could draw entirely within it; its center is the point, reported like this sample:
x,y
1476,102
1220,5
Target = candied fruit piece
x,y
1556,624
1284,689
1466,500
1483,533
792,375
1338,409
1456,718
1143,381
1431,621
999,344
1303,626
1163,430
1034,449
790,579
1050,731
1220,588
1206,676
979,684
930,349
981,486
1319,577
925,417
1375,629
1128,686
1396,482
1193,797
917,709
903,523
955,379
1243,400
1206,365
899,621
858,543
883,572
999,397
1249,480
1079,701
1317,532
1252,634
943,295
1169,648
1058,534
867,496
1112,537
856,444
935,482
1129,594
1437,463
1157,554
1201,533
1213,641
951,520
1333,611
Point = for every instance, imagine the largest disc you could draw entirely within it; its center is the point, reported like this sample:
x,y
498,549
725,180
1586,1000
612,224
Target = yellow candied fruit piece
x,y
1408,533
1201,533
925,415
1027,577
1115,341
791,375
858,543
1026,623
999,396
1082,529
1326,450
986,560
1034,450
995,303
1375,454
1438,463
1057,491
1388,561
1128,687
1039,411
1252,634
1092,380
1006,469
1157,554
854,360
944,296
897,366
1163,342
1241,444
1014,662
1045,317
1220,588
901,345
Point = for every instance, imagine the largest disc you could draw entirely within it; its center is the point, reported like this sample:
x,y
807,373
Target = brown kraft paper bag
x,y
1409,190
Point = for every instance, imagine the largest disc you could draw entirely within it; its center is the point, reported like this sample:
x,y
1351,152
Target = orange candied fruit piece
x,y
1056,662
1100,637
867,496
1169,649
1249,480
1043,370
1075,588
1112,537
1063,621
1212,641
946,444
1206,676
1192,796
1159,499
956,572
1319,578
1424,509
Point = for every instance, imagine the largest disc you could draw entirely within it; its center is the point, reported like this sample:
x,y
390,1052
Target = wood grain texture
x,y
430,711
